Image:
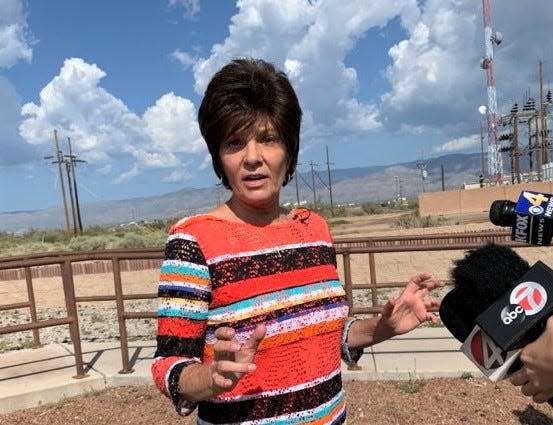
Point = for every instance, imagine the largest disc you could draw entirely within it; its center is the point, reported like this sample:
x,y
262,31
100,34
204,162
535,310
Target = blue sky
x,y
380,82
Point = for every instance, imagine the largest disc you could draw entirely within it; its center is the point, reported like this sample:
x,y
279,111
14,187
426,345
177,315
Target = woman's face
x,y
255,163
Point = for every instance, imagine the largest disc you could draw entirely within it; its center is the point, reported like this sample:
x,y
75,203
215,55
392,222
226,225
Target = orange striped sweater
x,y
221,273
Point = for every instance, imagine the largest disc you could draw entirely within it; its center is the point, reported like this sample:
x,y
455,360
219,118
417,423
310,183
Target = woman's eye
x,y
233,144
269,139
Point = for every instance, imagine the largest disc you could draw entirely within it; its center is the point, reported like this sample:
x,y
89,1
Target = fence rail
x,y
67,264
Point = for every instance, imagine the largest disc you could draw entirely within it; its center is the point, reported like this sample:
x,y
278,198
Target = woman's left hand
x,y
408,310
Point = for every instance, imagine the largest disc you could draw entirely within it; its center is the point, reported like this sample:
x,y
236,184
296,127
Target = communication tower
x,y
495,162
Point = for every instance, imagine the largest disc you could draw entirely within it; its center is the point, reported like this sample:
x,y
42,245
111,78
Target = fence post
x,y
347,279
32,305
372,278
116,267
71,307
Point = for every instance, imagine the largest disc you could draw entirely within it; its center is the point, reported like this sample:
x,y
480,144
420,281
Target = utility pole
x,y
421,165
59,160
72,159
69,161
313,183
297,187
329,183
71,197
398,190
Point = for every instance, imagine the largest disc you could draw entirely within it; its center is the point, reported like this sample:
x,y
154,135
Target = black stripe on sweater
x,y
268,407
242,268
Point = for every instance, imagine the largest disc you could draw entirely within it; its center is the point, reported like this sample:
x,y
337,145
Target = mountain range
x,y
348,185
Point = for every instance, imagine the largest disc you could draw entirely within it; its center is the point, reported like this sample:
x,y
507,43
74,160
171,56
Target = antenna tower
x,y
495,162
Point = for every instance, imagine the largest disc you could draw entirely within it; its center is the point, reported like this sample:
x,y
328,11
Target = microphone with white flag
x,y
498,305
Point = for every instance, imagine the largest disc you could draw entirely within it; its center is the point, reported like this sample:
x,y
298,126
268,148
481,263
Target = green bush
x,y
337,222
156,239
131,240
371,208
413,219
86,243
136,240
48,236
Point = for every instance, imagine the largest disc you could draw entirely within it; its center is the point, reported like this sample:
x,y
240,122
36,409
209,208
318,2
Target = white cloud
x,y
103,129
74,103
127,175
15,38
15,45
434,74
180,175
435,78
13,147
191,7
434,82
185,59
459,144
171,124
314,40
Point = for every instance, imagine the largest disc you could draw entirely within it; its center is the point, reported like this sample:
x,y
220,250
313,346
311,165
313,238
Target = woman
x,y
253,321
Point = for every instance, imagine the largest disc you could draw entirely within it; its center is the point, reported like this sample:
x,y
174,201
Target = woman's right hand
x,y
233,360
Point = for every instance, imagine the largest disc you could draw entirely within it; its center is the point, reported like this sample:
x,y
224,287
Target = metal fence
x,y
118,260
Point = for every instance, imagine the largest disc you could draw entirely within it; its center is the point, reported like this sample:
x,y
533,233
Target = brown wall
x,y
80,268
474,200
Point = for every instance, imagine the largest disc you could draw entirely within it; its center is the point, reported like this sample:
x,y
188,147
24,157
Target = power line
x,y
329,183
59,160
313,181
69,161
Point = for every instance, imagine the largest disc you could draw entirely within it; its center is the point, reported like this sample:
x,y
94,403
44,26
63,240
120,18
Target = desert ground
x,y
464,400
390,267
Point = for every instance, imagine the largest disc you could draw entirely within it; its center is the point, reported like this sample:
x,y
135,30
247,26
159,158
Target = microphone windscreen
x,y
479,279
453,317
485,274
502,213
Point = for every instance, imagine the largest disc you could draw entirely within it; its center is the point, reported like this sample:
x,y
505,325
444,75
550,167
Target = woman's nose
x,y
252,153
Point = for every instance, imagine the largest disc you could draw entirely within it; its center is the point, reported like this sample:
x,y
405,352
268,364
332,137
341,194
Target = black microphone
x,y
530,217
498,305
479,279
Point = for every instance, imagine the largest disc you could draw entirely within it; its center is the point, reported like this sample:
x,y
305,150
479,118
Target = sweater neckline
x,y
297,215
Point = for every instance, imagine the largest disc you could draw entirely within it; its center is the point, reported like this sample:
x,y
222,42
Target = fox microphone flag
x,y
530,218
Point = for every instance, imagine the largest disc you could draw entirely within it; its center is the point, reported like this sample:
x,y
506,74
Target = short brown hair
x,y
239,94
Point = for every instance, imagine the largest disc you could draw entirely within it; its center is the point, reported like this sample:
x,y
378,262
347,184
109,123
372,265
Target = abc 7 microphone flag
x,y
510,323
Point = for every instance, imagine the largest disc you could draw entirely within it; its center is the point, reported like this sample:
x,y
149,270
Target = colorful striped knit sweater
x,y
221,273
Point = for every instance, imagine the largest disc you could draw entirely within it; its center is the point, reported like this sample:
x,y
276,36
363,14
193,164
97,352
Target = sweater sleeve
x,y
184,293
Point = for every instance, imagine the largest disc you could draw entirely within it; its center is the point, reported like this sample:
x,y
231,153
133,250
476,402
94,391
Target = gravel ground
x,y
97,323
431,402
434,401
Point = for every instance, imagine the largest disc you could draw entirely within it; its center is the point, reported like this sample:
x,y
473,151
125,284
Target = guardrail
x,y
345,248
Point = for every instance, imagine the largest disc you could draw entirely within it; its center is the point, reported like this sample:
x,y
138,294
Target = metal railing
x,y
345,248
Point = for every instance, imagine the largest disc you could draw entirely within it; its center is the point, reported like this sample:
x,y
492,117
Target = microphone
x,y
530,217
498,305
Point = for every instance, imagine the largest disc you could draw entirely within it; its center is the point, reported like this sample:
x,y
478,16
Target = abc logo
x,y
531,296
512,313
526,299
